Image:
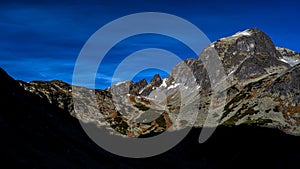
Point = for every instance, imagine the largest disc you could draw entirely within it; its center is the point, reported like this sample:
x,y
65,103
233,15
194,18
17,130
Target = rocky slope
x,y
37,134
259,71
59,94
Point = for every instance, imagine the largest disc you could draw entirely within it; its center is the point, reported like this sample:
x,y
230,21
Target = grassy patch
x,y
121,127
141,106
161,121
239,115
234,101
118,119
257,122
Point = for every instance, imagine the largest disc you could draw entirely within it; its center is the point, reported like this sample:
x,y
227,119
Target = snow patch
x,y
119,83
244,33
141,91
231,72
283,60
173,86
164,84
290,61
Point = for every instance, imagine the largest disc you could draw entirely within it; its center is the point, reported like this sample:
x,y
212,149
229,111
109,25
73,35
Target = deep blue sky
x,y
40,40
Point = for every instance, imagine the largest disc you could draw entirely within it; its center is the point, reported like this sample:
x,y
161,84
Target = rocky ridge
x,y
262,90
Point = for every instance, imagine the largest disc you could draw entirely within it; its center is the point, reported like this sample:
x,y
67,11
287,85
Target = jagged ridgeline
x,y
263,90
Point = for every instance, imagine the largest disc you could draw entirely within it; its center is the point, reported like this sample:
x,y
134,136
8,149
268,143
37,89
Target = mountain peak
x,y
254,30
246,54
247,32
156,80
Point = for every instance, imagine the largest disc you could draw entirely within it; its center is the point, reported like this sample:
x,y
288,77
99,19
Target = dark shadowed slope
x,y
36,134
